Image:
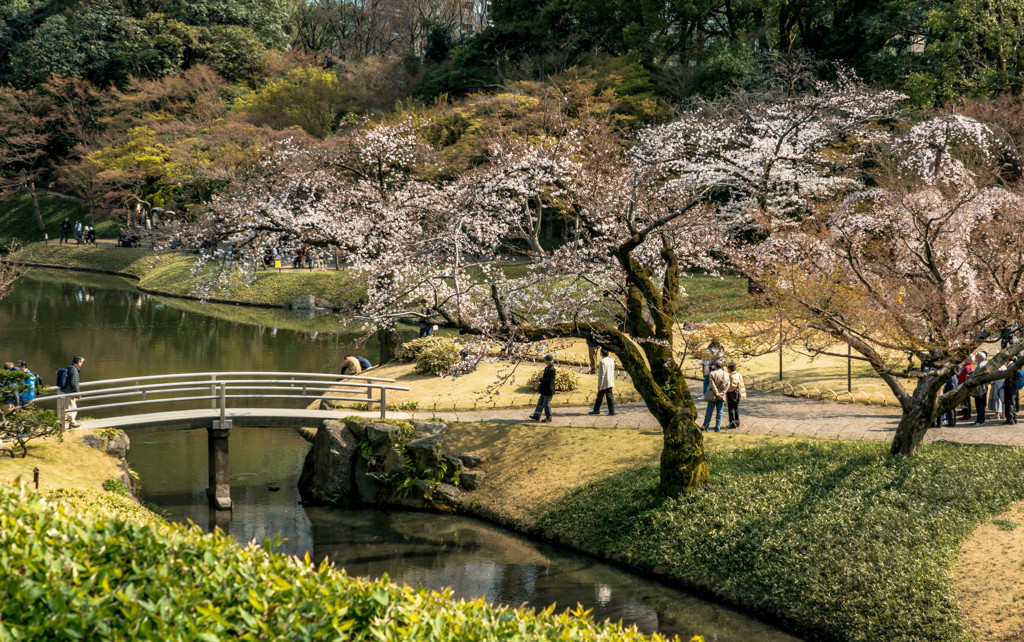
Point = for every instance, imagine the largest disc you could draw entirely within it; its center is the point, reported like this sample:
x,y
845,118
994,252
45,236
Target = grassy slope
x,y
70,464
835,537
17,221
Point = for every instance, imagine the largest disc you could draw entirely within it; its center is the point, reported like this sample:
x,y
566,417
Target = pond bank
x,y
168,274
832,539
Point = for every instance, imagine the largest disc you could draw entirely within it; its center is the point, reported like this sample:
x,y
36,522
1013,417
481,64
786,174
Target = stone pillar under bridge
x,y
219,490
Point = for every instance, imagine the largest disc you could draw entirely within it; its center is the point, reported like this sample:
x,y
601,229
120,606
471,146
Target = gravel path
x,y
770,414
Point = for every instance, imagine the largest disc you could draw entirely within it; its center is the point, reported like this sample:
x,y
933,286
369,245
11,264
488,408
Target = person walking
x,y
718,385
961,377
426,313
1011,395
733,395
605,383
546,390
593,349
65,231
72,385
980,394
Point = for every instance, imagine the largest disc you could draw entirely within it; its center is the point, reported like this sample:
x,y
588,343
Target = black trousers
x,y
607,393
979,407
732,402
1011,402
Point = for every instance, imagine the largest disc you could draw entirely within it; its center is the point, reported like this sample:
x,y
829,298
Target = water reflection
x,y
474,558
122,332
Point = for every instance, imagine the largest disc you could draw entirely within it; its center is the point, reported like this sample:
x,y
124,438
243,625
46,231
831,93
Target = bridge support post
x,y
219,491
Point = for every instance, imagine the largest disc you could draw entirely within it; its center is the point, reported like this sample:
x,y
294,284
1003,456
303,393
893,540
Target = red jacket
x,y
964,373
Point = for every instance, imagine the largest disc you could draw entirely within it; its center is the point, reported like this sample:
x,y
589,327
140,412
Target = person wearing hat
x,y
546,390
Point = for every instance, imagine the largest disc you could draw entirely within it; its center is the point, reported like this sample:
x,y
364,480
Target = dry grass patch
x,y
474,390
70,464
988,576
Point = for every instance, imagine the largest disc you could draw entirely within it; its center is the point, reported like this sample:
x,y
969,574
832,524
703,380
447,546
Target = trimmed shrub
x,y
438,356
565,380
408,351
71,574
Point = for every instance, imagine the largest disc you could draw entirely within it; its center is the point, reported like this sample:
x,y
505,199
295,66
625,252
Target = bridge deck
x,y
195,419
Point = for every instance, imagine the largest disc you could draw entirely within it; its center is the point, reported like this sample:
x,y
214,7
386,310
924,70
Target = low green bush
x,y
432,355
115,486
565,380
838,538
408,351
68,573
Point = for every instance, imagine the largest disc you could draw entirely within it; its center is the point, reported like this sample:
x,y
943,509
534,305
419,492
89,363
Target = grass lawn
x,y
70,464
18,221
833,536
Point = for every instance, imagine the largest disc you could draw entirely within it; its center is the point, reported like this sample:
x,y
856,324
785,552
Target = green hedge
x,y
836,537
68,573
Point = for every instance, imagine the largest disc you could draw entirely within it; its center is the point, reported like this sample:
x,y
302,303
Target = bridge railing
x,y
220,387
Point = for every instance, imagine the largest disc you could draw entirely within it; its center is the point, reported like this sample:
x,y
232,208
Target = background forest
x,y
158,103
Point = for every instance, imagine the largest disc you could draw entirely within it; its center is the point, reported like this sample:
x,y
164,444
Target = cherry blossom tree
x,y
927,267
643,211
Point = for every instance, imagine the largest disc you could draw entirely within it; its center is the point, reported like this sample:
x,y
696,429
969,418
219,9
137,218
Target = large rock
x,y
327,473
116,446
394,462
382,435
471,479
368,488
453,467
426,454
471,460
430,428
357,427
446,495
304,302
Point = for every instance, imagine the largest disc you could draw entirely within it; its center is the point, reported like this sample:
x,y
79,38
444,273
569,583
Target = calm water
x,y
122,332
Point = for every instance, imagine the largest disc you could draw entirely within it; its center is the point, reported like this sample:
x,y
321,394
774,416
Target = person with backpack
x,y
1011,395
546,390
69,381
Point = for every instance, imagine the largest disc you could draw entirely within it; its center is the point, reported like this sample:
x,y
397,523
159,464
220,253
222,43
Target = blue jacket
x,y
31,393
364,363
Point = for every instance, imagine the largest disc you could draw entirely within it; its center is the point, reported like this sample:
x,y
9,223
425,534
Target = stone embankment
x,y
358,461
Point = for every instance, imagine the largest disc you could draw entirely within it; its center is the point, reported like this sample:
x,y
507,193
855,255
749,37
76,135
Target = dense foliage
x,y
71,573
834,537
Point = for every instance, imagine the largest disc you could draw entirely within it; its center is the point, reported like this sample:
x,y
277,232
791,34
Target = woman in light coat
x,y
733,395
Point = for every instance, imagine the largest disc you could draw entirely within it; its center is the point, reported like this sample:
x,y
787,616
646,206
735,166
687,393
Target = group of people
x,y
355,364
1000,398
14,403
605,371
81,233
68,381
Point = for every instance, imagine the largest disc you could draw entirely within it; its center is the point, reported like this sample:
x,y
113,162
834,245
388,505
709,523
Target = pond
x,y
122,332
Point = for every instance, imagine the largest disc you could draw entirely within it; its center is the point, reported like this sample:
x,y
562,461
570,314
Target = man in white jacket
x,y
605,383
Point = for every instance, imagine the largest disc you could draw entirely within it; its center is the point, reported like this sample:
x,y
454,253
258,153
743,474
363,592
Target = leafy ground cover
x,y
834,537
69,573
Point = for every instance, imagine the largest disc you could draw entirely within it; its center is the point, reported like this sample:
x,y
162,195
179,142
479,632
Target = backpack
x,y
1018,380
62,378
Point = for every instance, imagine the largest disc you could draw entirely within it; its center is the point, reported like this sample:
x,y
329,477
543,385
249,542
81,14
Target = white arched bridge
x,y
223,399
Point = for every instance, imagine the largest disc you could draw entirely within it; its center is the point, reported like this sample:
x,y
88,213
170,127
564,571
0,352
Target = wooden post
x,y
849,368
780,348
219,490
383,403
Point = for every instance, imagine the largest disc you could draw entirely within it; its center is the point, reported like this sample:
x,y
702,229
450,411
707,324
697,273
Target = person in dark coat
x,y
546,390
1011,396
